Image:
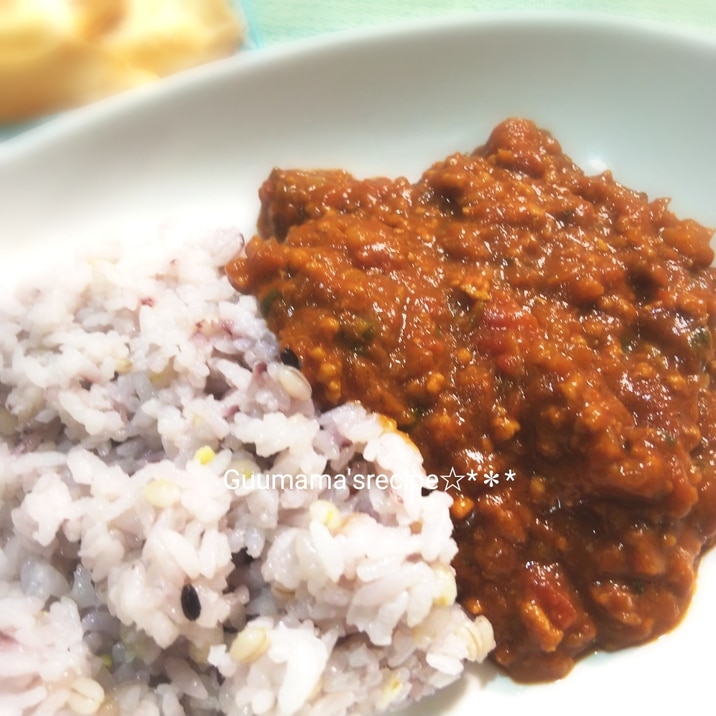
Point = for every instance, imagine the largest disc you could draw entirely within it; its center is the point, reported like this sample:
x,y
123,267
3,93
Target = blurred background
x,y
275,21
67,53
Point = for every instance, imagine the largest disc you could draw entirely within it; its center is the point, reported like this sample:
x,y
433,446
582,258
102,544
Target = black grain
x,y
190,604
288,357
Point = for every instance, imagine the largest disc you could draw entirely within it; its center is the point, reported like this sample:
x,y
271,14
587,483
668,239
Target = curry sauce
x,y
547,340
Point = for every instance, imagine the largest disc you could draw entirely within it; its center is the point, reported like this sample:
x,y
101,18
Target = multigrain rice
x,y
135,578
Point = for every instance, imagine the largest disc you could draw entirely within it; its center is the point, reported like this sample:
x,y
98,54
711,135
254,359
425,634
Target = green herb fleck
x,y
700,339
268,301
638,587
357,333
669,438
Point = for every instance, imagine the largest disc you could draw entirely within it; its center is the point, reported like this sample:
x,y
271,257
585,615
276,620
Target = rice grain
x,y
136,578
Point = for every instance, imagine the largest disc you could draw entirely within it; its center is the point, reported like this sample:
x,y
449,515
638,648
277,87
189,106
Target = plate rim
x,y
107,112
73,121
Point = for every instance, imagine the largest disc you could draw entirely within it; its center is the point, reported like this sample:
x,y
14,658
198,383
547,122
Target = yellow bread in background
x,y
56,54
165,36
49,57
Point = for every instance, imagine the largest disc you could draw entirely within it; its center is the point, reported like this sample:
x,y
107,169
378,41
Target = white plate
x,y
638,99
